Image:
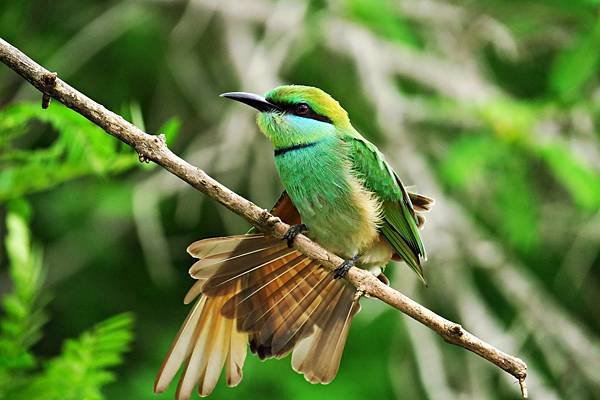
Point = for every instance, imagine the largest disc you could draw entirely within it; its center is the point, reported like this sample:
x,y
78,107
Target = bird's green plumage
x,y
399,224
316,179
340,183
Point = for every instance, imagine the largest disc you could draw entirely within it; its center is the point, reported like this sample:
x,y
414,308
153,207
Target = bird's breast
x,y
340,213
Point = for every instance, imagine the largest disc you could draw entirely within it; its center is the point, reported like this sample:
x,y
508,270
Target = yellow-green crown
x,y
321,102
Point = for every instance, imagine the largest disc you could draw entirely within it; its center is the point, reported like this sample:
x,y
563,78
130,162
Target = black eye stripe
x,y
292,108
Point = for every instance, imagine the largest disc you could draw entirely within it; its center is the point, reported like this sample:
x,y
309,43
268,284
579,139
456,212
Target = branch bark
x,y
152,147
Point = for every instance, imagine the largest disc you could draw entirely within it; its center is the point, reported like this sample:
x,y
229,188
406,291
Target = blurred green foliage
x,y
22,316
80,149
491,107
80,370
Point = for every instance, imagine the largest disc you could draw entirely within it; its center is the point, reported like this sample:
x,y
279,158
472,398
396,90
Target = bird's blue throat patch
x,y
282,150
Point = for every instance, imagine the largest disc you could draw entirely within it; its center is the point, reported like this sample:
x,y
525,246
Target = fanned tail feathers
x,y
254,289
205,344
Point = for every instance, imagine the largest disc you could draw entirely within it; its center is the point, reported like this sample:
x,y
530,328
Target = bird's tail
x,y
421,205
254,289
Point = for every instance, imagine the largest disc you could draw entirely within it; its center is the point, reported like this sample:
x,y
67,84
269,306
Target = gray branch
x,y
154,148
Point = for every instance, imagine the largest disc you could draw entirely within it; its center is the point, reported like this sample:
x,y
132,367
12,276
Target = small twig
x,y
50,80
523,385
153,148
358,294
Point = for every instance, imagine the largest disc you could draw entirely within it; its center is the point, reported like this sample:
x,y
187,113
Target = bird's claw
x,y
294,231
343,269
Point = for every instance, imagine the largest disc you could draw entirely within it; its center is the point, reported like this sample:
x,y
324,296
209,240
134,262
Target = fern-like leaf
x,y
23,316
81,370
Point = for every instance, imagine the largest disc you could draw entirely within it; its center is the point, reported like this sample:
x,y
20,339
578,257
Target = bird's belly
x,y
342,227
378,254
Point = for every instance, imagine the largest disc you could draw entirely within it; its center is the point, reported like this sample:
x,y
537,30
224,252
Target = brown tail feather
x,y
255,266
286,329
420,202
241,304
205,343
275,296
234,245
264,319
180,349
196,364
237,355
304,325
262,292
318,356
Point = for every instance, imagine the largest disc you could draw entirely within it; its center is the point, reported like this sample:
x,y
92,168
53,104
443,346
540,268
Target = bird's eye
x,y
302,109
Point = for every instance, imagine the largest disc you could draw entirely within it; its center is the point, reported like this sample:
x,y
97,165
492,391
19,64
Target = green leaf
x,y
170,129
582,183
82,368
80,149
576,65
509,119
493,175
23,316
384,18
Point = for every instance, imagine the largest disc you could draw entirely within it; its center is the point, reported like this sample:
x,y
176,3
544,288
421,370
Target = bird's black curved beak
x,y
253,100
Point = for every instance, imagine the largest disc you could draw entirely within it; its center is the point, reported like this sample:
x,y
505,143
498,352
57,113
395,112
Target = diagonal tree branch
x,y
151,147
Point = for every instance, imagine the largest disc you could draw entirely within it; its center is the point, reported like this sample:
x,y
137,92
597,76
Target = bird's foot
x,y
343,269
294,231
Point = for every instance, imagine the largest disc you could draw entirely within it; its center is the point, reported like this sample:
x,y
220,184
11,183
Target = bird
x,y
254,290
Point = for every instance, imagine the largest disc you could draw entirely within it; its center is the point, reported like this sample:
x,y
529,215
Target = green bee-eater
x,y
255,289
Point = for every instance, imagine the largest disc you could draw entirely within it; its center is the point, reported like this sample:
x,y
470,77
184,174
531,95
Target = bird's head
x,y
295,115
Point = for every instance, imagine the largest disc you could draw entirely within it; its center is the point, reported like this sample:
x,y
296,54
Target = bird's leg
x,y
294,231
343,269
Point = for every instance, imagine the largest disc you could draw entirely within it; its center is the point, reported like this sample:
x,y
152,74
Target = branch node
x,y
456,330
271,220
141,148
160,139
49,79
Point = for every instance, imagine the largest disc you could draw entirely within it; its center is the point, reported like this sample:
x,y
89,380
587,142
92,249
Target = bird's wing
x,y
400,221
286,210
